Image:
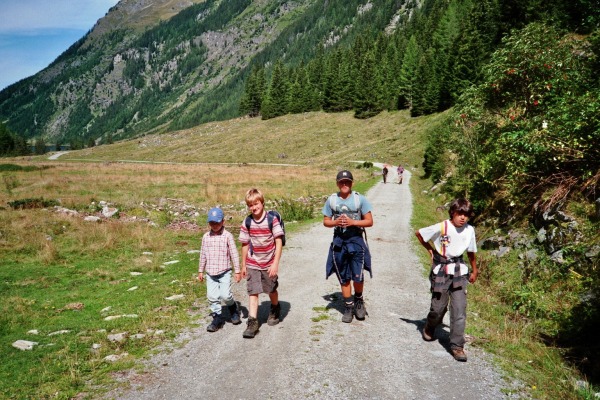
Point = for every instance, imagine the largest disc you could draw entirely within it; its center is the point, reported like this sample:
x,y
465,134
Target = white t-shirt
x,y
459,240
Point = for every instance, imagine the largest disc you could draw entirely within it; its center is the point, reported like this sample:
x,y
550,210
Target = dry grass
x,y
51,259
318,139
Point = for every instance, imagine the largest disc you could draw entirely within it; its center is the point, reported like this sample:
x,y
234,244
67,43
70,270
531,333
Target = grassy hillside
x,y
67,284
61,273
308,139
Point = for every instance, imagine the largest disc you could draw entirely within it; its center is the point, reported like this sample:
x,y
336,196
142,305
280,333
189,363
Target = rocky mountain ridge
x,y
153,66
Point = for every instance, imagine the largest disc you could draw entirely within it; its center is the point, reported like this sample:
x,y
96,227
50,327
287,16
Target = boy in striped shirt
x,y
261,252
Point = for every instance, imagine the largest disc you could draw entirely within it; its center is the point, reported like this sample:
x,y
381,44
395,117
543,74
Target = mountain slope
x,y
146,66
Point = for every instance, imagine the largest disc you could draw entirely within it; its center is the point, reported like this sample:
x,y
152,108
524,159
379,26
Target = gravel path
x,y
311,353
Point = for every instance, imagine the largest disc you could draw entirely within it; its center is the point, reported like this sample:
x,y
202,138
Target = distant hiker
x,y
400,171
384,172
449,274
217,254
261,252
349,213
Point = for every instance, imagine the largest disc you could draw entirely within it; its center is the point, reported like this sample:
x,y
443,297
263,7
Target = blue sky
x,y
34,32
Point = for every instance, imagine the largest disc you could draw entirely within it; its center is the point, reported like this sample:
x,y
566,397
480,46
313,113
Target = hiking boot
x,y
348,314
459,354
274,315
216,324
428,333
234,313
359,308
252,328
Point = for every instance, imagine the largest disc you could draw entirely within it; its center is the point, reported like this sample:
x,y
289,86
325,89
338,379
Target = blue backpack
x,y
271,214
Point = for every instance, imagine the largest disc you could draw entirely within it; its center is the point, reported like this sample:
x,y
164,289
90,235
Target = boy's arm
x,y
244,255
235,258
330,222
344,221
474,270
425,244
365,222
274,268
202,262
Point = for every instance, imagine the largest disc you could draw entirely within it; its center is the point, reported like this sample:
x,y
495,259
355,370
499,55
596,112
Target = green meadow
x,y
72,285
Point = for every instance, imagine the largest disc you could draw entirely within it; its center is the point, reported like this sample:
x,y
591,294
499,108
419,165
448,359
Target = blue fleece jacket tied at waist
x,y
348,250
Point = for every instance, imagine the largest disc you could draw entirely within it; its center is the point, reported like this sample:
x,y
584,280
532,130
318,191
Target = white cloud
x,y
22,16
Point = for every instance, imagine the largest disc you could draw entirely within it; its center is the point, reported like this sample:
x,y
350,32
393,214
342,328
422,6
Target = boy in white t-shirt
x,y
449,274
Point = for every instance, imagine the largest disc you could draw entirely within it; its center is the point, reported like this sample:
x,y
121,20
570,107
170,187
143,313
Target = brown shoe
x,y
459,354
428,333
252,328
274,315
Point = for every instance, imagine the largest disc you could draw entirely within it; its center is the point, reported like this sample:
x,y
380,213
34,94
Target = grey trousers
x,y
457,298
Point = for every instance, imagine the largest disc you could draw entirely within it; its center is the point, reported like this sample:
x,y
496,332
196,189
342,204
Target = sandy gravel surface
x,y
383,357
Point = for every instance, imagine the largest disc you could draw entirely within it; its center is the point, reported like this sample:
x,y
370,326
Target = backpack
x,y
270,215
333,199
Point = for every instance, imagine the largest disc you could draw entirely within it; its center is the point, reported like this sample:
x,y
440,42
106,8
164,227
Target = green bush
x,y
527,134
24,204
293,210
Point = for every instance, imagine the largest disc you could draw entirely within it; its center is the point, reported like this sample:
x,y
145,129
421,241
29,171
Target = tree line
x,y
424,66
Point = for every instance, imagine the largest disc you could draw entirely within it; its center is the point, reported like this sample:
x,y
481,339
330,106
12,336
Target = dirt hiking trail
x,y
311,354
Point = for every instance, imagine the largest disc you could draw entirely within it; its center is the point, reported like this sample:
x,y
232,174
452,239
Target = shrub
x,y
24,204
293,210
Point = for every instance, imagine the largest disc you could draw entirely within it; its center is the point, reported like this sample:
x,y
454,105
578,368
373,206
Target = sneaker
x,y
459,354
252,328
216,324
234,313
348,314
359,309
428,333
274,315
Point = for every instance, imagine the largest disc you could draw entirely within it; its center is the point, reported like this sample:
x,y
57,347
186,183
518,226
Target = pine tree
x,y
252,97
368,99
475,44
40,146
409,71
21,147
331,83
7,142
276,99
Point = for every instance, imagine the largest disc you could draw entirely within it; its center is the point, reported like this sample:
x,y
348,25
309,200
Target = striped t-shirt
x,y
263,242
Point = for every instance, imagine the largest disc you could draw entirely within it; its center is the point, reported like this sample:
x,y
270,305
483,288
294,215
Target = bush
x,y
24,204
532,125
292,210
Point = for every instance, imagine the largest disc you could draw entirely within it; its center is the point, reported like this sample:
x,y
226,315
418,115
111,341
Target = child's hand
x,y
473,276
273,270
237,276
200,276
244,271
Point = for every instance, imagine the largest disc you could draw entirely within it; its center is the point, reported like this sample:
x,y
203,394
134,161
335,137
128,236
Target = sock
x,y
348,301
358,295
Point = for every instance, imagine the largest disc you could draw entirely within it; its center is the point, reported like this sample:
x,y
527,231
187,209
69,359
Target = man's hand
x,y
237,276
200,276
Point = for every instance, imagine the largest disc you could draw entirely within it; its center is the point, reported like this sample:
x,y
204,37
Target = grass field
x,y
72,286
69,284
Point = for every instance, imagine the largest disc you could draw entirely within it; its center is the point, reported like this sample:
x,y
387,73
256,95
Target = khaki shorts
x,y
258,281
